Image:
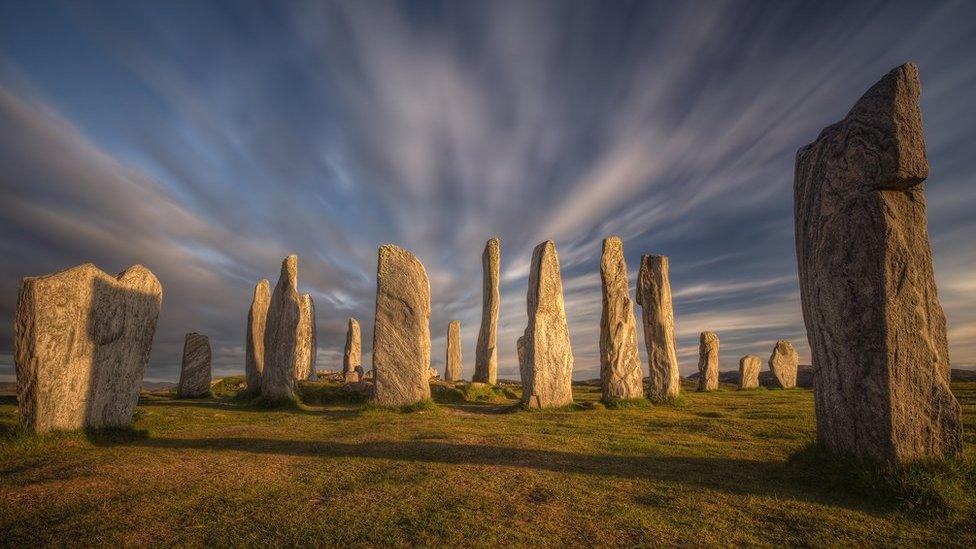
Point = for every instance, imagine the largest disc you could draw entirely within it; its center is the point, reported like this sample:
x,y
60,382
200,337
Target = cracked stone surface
x,y
620,367
654,297
195,371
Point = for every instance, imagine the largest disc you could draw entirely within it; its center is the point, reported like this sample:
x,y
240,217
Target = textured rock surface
x,y
352,356
545,353
783,363
749,367
620,367
708,361
875,326
307,347
486,353
282,333
195,371
452,370
257,316
81,343
654,297
401,333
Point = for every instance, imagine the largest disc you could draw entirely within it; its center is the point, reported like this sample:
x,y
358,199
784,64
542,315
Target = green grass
x,y
724,468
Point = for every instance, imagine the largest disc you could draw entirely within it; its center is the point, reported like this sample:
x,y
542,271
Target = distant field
x,y
723,469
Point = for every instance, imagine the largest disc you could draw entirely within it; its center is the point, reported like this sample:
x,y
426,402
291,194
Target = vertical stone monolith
x,y
545,352
783,363
621,376
81,341
306,346
401,333
486,354
749,367
874,323
352,356
257,316
654,297
708,361
282,333
452,370
195,373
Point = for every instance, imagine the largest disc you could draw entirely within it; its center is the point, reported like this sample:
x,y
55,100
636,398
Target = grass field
x,y
720,469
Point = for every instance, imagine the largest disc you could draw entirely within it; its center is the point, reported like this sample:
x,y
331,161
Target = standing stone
x,y
257,316
874,323
749,367
195,372
486,354
307,347
620,368
282,334
352,356
708,361
81,342
452,372
401,332
654,297
545,353
783,363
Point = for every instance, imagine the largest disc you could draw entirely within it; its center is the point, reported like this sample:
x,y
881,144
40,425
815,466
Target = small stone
x,y
654,297
545,352
282,334
486,353
257,316
749,367
307,346
708,361
620,368
452,372
195,371
783,363
352,356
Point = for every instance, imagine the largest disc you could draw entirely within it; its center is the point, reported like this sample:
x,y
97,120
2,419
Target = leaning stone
x,y
708,361
620,367
486,353
452,372
401,333
545,352
749,367
876,329
81,341
195,371
257,316
352,356
783,363
282,333
307,347
654,297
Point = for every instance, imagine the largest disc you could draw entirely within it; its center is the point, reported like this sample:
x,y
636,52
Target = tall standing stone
x,y
401,332
195,371
654,297
545,353
620,368
708,361
352,356
749,367
257,316
81,342
783,363
875,326
486,353
307,346
452,371
281,334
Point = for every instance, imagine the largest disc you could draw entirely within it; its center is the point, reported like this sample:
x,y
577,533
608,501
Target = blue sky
x,y
207,140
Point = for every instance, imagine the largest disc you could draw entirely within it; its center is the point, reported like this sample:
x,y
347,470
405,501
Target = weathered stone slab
x,y
620,368
654,297
545,352
708,345
195,373
401,333
452,371
81,343
783,363
257,317
486,353
307,346
749,367
282,333
352,356
876,329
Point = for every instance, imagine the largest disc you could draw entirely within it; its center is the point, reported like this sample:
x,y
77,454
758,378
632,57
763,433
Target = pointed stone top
x,y
262,288
494,241
353,322
289,269
708,336
454,323
392,255
612,242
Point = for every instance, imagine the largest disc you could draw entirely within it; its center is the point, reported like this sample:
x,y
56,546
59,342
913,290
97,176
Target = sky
x,y
208,140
